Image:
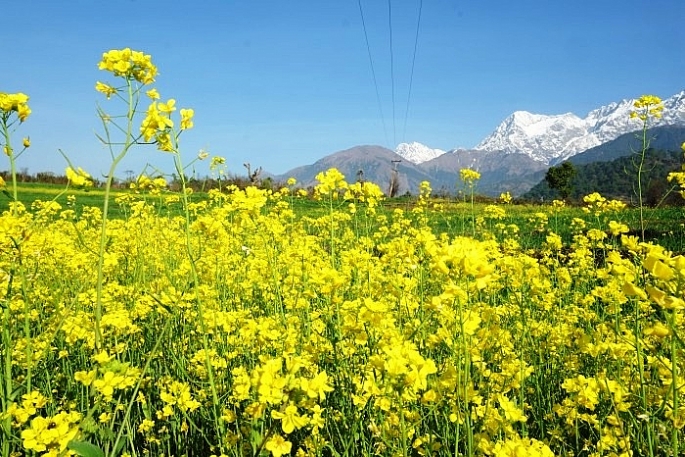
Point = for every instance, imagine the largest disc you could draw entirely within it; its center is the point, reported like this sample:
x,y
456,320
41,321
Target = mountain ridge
x,y
512,158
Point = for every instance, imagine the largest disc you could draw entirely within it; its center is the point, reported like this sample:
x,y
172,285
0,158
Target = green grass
x,y
664,226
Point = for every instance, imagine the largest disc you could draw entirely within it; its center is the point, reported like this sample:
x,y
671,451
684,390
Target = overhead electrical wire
x,y
413,63
392,71
373,71
392,76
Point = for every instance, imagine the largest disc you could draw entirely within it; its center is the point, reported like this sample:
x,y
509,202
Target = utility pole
x,y
394,179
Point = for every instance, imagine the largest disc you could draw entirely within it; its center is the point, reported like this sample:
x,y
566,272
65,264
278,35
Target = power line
x,y
413,62
392,76
373,72
392,71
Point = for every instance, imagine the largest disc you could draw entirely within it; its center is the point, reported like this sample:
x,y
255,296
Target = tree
x,y
560,178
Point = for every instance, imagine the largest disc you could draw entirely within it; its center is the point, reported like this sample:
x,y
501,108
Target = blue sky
x,y
281,84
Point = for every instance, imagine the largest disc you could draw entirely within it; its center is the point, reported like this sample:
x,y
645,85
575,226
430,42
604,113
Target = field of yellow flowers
x,y
240,328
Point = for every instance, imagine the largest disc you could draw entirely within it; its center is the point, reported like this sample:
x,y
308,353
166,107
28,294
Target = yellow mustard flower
x,y
290,419
278,446
105,89
647,106
129,64
187,118
153,94
469,176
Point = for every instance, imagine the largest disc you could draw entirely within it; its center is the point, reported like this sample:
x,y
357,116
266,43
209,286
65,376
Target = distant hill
x,y
519,174
501,170
374,162
668,138
617,179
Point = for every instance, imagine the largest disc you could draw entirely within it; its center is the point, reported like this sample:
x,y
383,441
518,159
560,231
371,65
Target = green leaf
x,y
85,449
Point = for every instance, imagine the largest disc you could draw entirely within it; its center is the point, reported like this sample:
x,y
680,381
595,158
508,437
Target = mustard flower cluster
x,y
646,107
128,64
14,103
52,435
469,176
79,177
330,182
146,183
157,125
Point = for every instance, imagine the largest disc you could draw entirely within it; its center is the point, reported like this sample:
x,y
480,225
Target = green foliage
x,y
615,179
85,449
560,178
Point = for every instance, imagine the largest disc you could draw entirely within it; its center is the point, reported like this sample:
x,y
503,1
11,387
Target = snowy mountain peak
x,y
551,138
417,152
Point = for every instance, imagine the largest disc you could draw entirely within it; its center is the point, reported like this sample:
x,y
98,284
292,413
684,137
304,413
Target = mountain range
x,y
515,156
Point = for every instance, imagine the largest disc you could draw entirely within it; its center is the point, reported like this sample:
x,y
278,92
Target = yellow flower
x,y
51,433
85,377
34,436
278,446
129,65
290,420
79,177
168,107
317,386
26,142
15,103
329,181
511,412
647,106
154,122
216,161
153,94
658,269
107,384
105,89
164,142
659,330
187,119
617,228
469,176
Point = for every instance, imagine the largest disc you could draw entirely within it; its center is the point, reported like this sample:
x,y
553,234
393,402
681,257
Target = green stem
x,y
10,155
6,393
640,368
640,168
674,382
196,286
128,142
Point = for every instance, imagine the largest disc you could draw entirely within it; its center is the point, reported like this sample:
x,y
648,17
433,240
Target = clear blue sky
x,y
281,84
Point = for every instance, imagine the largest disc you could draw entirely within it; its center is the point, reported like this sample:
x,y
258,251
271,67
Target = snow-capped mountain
x,y
555,138
417,152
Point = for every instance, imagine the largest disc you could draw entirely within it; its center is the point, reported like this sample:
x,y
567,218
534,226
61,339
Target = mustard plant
x,y
121,133
647,109
469,178
13,108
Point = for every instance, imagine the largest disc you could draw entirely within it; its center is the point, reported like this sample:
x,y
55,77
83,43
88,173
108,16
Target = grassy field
x,y
259,323
665,226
